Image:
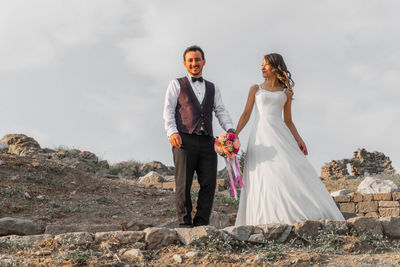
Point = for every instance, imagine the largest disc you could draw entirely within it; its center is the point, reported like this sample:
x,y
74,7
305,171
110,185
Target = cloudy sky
x,y
92,74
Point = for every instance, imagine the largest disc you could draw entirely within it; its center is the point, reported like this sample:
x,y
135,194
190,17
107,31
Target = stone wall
x,y
362,163
369,205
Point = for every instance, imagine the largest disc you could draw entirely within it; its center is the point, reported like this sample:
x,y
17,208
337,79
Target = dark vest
x,y
190,112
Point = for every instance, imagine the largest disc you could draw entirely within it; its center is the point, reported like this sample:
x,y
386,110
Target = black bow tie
x,y
200,79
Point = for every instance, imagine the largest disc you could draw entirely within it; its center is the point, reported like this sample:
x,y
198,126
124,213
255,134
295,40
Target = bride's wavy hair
x,y
284,76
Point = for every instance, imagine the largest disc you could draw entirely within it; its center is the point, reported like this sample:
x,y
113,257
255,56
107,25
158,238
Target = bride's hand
x,y
302,146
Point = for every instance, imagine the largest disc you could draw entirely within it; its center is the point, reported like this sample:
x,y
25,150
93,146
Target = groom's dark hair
x,y
193,48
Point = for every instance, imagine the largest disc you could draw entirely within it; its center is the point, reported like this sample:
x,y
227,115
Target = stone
x,y
349,207
388,212
133,253
1,162
15,226
396,195
91,228
383,196
342,198
257,238
368,225
3,147
273,231
222,184
189,236
79,238
21,144
371,185
105,245
177,258
44,252
29,239
123,237
169,185
388,204
285,234
367,206
339,227
373,214
151,179
241,233
391,227
308,228
341,192
139,245
356,197
159,237
219,220
368,197
192,254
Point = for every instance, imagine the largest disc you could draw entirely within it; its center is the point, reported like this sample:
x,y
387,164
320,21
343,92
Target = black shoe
x,y
199,222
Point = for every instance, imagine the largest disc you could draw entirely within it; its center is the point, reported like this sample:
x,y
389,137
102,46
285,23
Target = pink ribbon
x,y
233,182
238,174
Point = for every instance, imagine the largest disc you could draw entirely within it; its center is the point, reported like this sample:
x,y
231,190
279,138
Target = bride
x,y
280,185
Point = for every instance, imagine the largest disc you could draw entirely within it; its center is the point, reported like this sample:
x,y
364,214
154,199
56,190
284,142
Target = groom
x,y
189,104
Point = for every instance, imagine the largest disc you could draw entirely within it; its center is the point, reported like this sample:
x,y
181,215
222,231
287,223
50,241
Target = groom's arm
x,y
221,113
171,100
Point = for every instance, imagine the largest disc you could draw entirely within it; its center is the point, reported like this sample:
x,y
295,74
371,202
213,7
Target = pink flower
x,y
236,143
231,136
228,143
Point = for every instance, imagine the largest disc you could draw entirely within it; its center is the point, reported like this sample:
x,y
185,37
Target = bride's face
x,y
267,70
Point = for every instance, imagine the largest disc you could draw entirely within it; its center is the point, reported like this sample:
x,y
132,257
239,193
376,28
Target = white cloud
x,y
92,74
33,32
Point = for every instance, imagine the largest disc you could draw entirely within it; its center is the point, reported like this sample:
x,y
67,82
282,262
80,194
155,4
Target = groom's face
x,y
194,63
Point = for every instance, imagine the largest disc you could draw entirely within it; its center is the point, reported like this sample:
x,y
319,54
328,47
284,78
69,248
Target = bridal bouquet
x,y
227,146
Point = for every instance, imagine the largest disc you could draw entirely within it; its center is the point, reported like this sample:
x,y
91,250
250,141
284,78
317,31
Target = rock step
x,y
157,237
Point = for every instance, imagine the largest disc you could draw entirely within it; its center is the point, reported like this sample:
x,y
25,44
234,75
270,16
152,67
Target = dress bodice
x,y
269,103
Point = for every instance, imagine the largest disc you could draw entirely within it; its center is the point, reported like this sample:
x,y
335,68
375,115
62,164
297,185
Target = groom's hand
x,y
176,140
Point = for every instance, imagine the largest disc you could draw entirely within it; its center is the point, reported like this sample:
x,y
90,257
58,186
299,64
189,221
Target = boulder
x,y
366,225
372,185
152,178
189,236
79,238
133,253
219,220
391,227
241,233
91,228
14,226
338,227
21,144
341,192
159,237
273,231
308,228
123,237
3,147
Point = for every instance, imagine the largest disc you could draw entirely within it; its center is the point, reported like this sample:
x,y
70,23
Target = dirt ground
x,y
51,193
47,192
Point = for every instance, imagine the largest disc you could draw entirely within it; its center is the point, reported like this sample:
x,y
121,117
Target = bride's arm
x,y
287,114
247,110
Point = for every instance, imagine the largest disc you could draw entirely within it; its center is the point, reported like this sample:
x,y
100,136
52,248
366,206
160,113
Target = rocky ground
x,y
66,190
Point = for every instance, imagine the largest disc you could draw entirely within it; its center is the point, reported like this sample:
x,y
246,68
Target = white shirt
x,y
199,89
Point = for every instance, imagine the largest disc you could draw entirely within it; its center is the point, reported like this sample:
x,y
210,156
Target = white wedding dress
x,y
280,185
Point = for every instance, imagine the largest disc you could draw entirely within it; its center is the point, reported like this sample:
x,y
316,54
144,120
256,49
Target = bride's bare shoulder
x,y
253,89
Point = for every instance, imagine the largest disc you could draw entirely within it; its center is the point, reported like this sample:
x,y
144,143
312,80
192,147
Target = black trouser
x,y
196,154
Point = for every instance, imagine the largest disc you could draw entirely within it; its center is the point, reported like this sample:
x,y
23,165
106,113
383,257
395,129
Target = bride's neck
x,y
272,82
